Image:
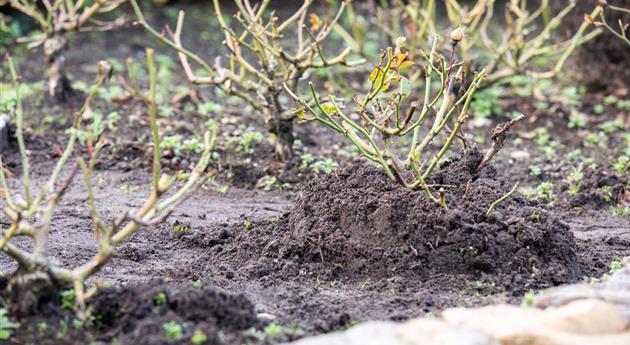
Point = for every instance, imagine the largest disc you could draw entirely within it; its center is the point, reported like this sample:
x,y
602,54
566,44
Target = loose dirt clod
x,y
208,309
133,315
357,223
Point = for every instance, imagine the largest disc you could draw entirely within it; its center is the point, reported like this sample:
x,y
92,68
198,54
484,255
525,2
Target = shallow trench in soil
x,y
348,247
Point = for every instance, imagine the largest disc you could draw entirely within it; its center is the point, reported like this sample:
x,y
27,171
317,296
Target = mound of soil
x,y
357,223
136,315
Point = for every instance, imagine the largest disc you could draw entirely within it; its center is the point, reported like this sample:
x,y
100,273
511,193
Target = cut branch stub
x,y
499,134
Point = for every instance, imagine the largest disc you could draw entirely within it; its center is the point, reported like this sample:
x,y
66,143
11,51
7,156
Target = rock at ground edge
x,y
4,132
415,332
369,333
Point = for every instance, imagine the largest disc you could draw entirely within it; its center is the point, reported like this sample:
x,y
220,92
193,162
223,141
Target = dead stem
x,y
499,134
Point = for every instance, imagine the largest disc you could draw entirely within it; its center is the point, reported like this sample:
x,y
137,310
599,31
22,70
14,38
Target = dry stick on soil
x,y
55,20
258,61
500,200
522,42
380,112
35,266
499,134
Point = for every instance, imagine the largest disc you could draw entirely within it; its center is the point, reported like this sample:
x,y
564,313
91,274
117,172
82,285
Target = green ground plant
x,y
199,337
56,18
6,326
260,58
622,164
41,326
544,191
159,299
173,330
30,214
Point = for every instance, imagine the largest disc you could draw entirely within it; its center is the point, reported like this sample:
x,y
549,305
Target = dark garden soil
x,y
354,246
358,223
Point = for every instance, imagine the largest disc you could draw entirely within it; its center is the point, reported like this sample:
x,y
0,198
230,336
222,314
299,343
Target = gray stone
x,y
582,322
439,332
415,332
4,132
614,289
369,333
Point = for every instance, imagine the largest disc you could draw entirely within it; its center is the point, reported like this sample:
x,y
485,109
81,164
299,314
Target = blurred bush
x,y
604,62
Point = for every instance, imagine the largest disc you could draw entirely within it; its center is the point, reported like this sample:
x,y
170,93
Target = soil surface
x,y
352,246
357,223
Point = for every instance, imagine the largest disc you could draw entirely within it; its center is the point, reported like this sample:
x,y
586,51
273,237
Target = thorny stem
x,y
458,125
152,104
5,188
99,226
427,94
19,117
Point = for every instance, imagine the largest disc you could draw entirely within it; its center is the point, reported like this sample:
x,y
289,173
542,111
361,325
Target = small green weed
x,y
67,299
41,326
247,224
528,299
199,337
179,229
535,170
615,266
577,120
272,330
223,189
317,166
611,126
159,299
127,189
6,326
622,165
544,191
173,330
621,211
486,102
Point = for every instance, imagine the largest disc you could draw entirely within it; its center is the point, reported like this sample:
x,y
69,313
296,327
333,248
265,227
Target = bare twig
x,y
499,134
